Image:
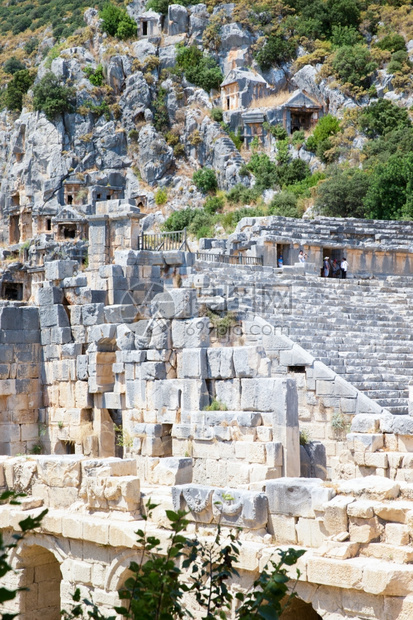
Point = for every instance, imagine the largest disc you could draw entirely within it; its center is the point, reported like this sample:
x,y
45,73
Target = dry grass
x,y
271,101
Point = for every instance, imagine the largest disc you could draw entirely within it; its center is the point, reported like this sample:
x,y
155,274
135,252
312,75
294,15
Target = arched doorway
x,y
40,574
299,610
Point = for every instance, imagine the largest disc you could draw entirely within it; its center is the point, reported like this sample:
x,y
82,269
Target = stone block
x,y
171,471
296,356
59,471
283,528
92,314
310,532
297,497
331,572
191,334
59,269
363,442
364,530
53,316
274,454
175,304
365,424
246,360
335,514
373,487
48,295
229,393
192,364
396,534
388,579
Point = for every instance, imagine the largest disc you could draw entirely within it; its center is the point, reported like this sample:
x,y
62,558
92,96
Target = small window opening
x,y
98,196
69,233
107,196
69,199
48,224
69,447
13,291
144,29
296,369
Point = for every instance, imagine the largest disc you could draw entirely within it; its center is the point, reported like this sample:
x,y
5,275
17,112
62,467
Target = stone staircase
x,y
362,329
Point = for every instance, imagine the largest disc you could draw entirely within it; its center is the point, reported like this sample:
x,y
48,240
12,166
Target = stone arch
x,y
300,610
118,571
39,573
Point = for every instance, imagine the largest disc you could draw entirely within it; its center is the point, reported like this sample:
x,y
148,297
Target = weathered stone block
x,y
297,497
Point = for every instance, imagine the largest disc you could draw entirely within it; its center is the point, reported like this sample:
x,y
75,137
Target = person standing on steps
x,y
335,269
344,267
326,267
280,261
301,258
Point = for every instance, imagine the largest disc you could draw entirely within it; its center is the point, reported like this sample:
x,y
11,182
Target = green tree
x,y
205,180
392,42
117,22
201,70
383,116
277,49
284,203
16,88
12,65
319,142
343,193
389,196
354,65
52,97
264,170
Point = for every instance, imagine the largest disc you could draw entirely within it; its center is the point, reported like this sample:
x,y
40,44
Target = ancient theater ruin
x,y
108,371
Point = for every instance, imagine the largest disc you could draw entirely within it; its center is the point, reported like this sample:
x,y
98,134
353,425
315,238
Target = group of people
x,y
338,270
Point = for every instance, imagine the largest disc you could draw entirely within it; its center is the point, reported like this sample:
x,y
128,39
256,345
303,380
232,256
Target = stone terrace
x,y
362,329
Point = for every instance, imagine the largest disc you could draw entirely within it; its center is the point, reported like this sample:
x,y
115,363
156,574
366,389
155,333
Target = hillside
x,y
209,111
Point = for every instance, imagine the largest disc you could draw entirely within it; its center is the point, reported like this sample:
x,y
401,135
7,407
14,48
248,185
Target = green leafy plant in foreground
x,y
203,569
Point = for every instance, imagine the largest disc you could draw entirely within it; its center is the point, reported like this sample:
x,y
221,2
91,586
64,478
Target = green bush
x,y
345,35
95,76
161,196
343,193
31,45
319,141
205,180
213,204
236,138
201,225
383,116
203,71
276,50
392,43
284,203
354,65
117,23
293,172
243,195
159,6
264,170
16,88
216,114
178,220
52,97
160,115
12,65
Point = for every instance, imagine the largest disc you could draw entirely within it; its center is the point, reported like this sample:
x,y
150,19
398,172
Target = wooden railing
x,y
176,240
230,259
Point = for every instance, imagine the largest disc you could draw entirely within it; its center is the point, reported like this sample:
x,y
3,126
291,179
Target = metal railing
x,y
230,259
176,240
